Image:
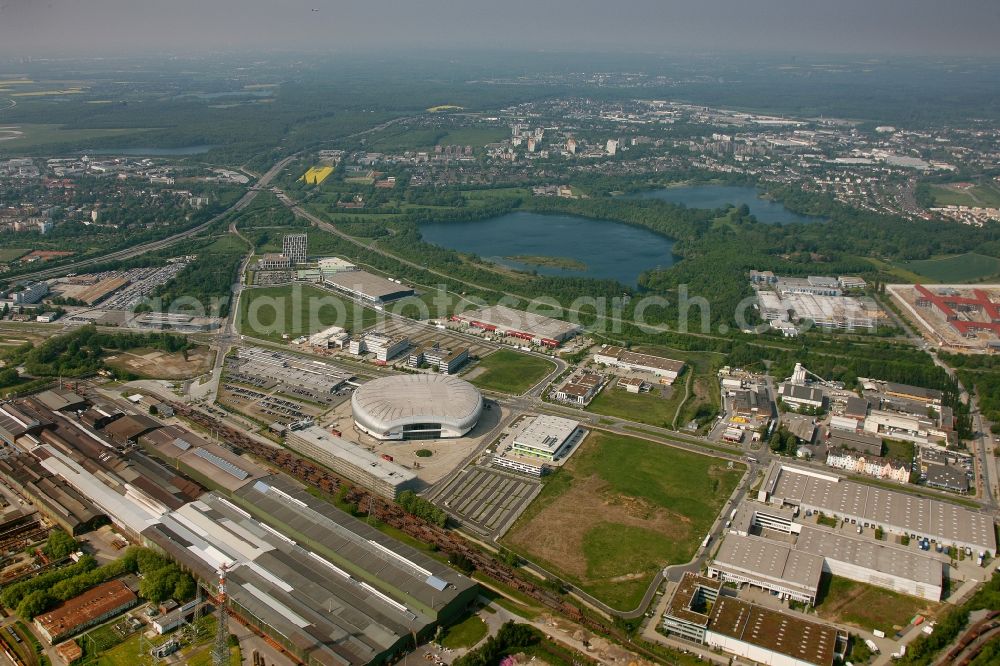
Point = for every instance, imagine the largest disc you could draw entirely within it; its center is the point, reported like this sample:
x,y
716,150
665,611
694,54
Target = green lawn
x,y
298,309
11,253
649,408
477,137
969,267
867,606
511,372
621,509
465,634
987,195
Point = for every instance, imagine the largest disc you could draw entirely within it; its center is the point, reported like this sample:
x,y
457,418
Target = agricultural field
x,y
969,267
620,510
156,364
985,196
316,175
296,310
26,137
509,371
868,607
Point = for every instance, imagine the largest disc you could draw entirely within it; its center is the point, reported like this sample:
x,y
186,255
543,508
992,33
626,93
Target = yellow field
x,y
445,107
317,175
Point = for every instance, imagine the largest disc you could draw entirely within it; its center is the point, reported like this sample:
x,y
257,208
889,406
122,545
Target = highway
x,y
137,250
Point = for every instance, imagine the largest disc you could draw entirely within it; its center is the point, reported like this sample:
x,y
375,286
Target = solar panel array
x,y
222,464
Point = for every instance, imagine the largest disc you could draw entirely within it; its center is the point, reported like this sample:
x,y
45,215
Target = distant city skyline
x,y
108,27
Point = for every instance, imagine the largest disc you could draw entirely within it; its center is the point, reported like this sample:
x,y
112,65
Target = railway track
x,y
447,541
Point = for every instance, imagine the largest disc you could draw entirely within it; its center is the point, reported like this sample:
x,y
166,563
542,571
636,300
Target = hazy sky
x,y
37,27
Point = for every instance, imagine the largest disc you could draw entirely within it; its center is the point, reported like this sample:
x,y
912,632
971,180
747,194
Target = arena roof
x,y
393,402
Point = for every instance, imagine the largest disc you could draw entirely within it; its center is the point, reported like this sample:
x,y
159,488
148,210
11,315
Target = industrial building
x,y
352,462
769,565
85,610
791,567
327,587
579,389
274,262
334,337
416,407
816,299
700,611
209,464
367,287
528,326
894,512
860,442
797,396
616,357
332,265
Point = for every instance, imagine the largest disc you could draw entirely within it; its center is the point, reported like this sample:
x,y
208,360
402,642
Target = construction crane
x,y
220,652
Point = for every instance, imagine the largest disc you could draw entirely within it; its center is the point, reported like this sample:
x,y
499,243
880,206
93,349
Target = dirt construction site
x,y
949,330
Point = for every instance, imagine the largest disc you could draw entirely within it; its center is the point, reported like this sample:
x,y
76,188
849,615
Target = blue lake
x,y
719,196
610,250
152,152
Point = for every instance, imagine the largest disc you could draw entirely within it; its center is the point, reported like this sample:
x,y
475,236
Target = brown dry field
x,y
557,532
161,365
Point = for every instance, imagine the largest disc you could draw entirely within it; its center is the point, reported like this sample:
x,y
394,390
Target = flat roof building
x,y
368,287
325,586
701,611
895,512
660,366
769,565
354,463
535,328
545,437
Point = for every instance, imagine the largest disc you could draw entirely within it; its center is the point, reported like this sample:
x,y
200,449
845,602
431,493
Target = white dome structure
x,y
416,407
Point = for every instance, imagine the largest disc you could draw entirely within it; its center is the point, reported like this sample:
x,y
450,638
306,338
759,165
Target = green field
x,y
987,196
649,408
11,253
868,607
511,372
25,137
477,137
621,509
960,268
465,634
269,312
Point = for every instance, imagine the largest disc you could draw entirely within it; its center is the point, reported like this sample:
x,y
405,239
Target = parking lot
x,y
487,499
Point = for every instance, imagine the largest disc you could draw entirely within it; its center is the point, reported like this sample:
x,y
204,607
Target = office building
x,y
295,247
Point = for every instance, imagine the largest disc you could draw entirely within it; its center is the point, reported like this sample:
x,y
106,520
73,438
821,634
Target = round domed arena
x,y
416,407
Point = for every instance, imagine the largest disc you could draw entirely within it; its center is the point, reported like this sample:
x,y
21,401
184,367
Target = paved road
x,y
135,251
